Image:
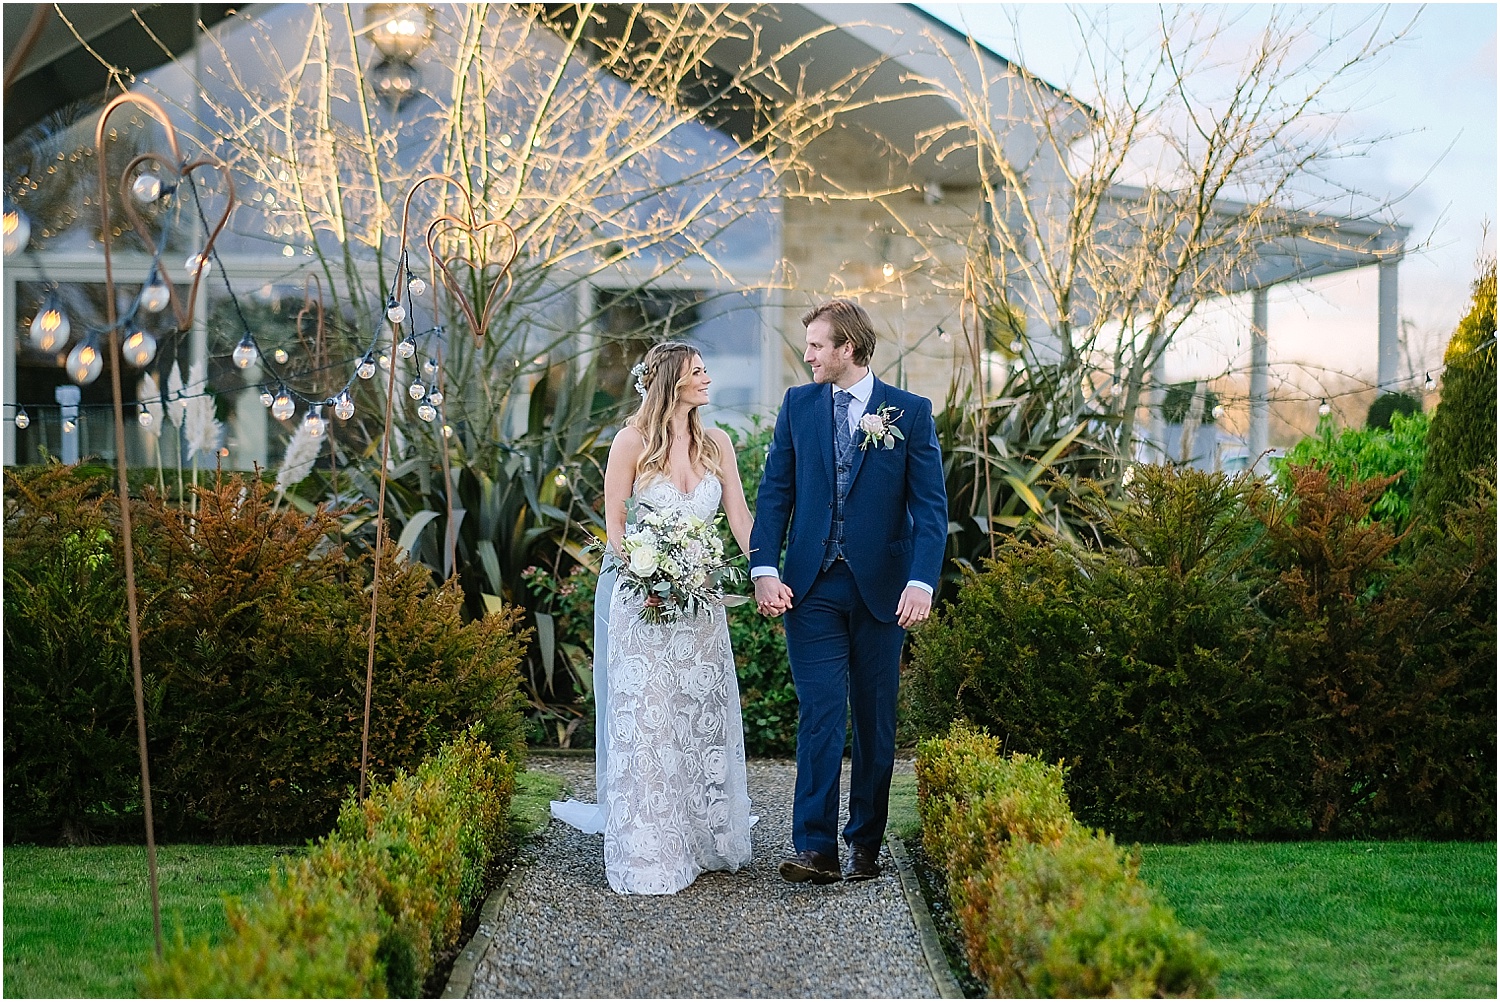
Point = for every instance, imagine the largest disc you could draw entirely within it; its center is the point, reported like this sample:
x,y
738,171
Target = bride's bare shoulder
x,y
627,441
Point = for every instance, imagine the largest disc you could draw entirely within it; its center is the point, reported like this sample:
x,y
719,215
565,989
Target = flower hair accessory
x,y
880,428
638,370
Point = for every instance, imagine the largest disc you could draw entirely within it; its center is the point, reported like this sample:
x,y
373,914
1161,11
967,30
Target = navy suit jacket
x,y
896,511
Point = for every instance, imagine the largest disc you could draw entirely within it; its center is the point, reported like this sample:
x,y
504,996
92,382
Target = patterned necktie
x,y
843,441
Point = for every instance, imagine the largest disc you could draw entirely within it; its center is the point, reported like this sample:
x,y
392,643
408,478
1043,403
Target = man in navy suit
x,y
853,486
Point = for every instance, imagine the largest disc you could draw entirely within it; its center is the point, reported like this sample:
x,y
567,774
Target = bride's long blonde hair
x,y
665,370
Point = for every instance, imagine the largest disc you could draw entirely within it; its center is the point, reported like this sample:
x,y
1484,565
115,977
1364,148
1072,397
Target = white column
x,y
1388,363
67,397
1260,380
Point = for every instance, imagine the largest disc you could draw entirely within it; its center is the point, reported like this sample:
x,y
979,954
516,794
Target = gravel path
x,y
564,933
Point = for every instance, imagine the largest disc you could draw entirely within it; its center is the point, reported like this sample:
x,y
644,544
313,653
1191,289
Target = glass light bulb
x,y
23,420
435,397
244,353
280,356
50,326
144,418
84,363
139,348
1218,411
147,188
343,406
429,367
197,263
314,421
561,480
1324,409
416,390
407,348
426,412
69,426
385,362
1429,382
265,398
416,286
447,431
1015,347
1018,364
366,368
282,407
888,269
395,312
17,231
155,296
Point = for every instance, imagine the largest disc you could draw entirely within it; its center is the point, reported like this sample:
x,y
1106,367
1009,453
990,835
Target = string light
x,y
139,348
69,426
50,326
17,229
1429,383
394,311
245,354
1218,411
385,362
561,480
416,390
416,286
313,422
282,407
407,347
23,420
146,189
143,418
280,356
426,411
888,270
197,263
447,431
84,362
435,397
343,406
1325,408
429,367
366,368
155,296
266,399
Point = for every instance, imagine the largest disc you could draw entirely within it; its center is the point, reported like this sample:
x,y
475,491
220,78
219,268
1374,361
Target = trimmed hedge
x,y
1238,664
1047,907
254,623
366,910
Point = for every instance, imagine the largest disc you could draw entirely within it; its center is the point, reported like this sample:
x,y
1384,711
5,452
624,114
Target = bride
x,y
672,798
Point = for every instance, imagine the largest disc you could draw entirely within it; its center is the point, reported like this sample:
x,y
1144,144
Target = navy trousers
x,y
844,661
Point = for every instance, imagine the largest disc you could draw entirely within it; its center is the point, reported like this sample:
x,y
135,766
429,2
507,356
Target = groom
x,y
854,467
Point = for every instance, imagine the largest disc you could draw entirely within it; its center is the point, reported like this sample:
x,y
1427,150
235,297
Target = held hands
x,y
772,596
914,608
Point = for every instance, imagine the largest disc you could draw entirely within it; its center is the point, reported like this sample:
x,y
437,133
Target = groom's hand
x,y
772,596
915,606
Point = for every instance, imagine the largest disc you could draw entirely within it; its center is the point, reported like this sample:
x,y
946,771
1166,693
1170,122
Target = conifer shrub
x,y
1397,451
255,626
1461,440
1047,908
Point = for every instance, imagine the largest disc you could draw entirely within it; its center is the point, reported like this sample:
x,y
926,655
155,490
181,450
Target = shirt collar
x,y
861,390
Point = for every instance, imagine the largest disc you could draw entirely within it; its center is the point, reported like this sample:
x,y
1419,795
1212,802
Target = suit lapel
x,y
876,401
823,428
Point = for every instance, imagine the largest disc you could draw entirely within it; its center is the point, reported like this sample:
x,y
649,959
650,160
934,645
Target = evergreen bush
x,y
254,627
1461,440
1397,451
1388,405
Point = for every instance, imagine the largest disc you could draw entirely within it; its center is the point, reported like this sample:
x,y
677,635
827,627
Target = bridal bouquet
x,y
677,557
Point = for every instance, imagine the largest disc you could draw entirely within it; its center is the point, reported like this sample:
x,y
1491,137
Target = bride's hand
x,y
652,601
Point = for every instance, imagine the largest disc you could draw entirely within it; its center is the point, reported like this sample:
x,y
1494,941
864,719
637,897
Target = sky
x,y
1433,93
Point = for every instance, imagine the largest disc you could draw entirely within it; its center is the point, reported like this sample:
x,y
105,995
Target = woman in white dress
x,y
672,798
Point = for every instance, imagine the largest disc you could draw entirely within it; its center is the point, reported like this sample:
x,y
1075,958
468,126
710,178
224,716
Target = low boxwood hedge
x,y
369,906
1047,907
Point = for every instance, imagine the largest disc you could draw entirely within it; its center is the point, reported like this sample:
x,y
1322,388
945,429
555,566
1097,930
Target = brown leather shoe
x,y
861,863
817,867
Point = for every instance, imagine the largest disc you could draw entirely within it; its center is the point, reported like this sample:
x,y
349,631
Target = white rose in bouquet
x,y
643,560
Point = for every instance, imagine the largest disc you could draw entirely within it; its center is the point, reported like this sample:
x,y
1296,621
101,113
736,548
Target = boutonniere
x,y
880,428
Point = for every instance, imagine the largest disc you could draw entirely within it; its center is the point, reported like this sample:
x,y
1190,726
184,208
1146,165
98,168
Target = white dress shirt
x,y
860,394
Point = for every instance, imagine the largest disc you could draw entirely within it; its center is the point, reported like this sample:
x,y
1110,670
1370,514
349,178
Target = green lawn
x,y
78,921
1338,919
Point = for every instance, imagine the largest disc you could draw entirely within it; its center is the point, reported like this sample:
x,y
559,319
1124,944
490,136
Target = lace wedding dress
x,y
671,762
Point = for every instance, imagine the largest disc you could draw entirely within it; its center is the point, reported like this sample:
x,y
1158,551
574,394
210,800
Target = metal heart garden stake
x,y
451,229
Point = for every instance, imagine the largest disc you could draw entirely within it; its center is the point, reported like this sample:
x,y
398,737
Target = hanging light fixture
x,y
400,30
23,420
1325,408
426,411
395,82
366,368
394,311
416,390
245,353
343,406
435,397
282,407
155,295
147,188
313,422
407,347
50,326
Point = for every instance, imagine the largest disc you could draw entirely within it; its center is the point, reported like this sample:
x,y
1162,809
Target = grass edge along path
x,y
1338,919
